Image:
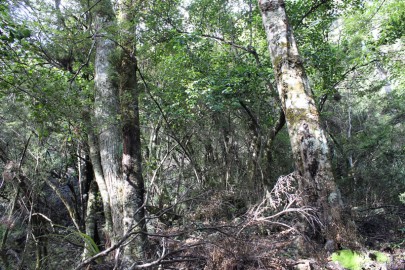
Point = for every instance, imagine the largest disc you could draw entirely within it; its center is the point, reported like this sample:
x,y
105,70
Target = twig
x,y
72,213
46,218
324,97
152,181
311,10
182,146
249,49
90,8
162,257
84,64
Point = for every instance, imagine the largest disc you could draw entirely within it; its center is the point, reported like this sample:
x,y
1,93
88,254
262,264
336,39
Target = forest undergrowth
x,y
221,229
223,232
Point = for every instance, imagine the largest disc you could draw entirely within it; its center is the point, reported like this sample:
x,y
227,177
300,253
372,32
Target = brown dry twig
x,y
283,199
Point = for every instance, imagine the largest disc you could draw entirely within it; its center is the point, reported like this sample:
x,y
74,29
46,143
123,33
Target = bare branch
x,y
72,213
283,199
85,63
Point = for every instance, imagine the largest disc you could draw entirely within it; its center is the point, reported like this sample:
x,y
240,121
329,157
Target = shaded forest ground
x,y
248,242
222,231
222,234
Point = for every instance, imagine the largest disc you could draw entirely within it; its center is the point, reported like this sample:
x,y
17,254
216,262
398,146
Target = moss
x,y
269,6
379,256
294,116
295,60
276,63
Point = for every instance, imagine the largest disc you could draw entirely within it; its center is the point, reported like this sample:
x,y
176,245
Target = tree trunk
x,y
119,141
106,114
90,221
94,152
255,173
267,155
308,141
133,184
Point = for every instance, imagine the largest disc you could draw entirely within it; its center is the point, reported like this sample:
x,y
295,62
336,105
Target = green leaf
x,y
348,259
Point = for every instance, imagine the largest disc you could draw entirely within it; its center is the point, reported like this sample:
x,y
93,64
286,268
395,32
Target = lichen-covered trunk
x,y
116,118
133,183
308,141
90,221
94,152
106,114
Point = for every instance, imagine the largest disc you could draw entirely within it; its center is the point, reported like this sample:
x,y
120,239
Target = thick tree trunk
x,y
118,131
307,138
133,185
106,114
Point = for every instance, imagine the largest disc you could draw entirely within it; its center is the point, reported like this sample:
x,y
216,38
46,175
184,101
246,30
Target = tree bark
x,y
106,114
116,116
94,152
90,220
308,141
133,183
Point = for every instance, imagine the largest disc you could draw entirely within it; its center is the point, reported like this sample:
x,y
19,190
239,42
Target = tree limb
x,y
324,97
249,49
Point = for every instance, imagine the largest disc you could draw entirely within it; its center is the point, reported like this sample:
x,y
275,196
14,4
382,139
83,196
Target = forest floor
x,y
238,244
221,233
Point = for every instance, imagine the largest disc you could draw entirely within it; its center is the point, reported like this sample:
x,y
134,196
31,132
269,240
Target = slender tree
x,y
308,141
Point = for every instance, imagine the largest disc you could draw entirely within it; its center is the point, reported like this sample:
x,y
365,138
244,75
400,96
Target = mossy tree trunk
x,y
90,221
308,141
94,153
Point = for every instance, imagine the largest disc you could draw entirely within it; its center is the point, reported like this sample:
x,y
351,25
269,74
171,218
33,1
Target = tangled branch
x,y
282,200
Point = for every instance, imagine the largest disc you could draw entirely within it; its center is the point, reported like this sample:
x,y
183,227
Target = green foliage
x,y
348,259
380,257
352,260
90,245
393,27
366,119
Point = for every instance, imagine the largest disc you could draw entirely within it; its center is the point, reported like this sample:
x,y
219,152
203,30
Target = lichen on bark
x,y
308,141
